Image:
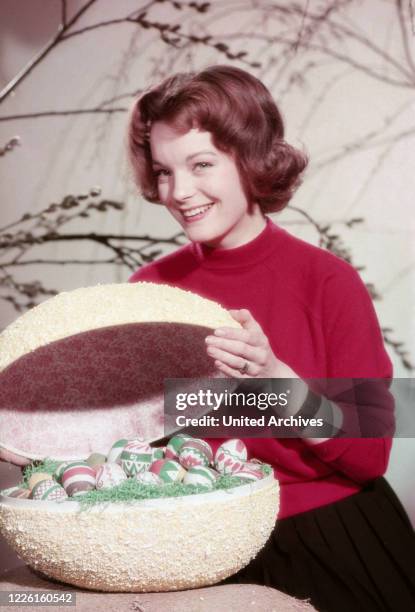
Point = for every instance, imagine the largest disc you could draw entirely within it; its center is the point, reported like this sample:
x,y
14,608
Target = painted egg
x,y
116,450
38,477
159,453
136,457
48,490
78,478
175,444
109,475
149,478
195,452
60,470
168,470
19,492
250,471
230,456
95,460
200,475
236,448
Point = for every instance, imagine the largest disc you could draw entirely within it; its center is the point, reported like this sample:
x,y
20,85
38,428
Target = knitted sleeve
x,y
355,349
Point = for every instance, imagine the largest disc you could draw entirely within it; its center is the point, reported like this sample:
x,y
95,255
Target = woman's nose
x,y
183,187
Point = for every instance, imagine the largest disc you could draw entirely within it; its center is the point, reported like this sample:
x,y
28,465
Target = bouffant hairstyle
x,y
239,112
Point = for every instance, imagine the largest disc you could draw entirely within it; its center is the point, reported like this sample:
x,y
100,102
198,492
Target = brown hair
x,y
239,112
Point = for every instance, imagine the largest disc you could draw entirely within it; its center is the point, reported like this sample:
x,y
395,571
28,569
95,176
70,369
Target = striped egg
x,y
136,457
48,490
60,470
116,450
168,470
19,492
200,475
148,478
109,475
174,445
78,478
195,452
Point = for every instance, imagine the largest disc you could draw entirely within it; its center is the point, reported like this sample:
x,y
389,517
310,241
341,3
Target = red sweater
x,y
320,320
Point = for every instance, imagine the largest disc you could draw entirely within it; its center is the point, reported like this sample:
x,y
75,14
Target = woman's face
x,y
200,186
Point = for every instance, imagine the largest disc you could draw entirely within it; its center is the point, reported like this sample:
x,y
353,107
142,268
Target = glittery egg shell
x,y
174,445
226,462
136,457
109,475
149,478
48,490
116,450
38,477
78,478
168,470
195,452
200,475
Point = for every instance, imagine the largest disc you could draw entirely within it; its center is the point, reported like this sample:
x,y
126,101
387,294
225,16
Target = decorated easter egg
x,y
19,492
95,460
136,457
149,478
250,471
38,477
195,452
48,490
60,470
230,456
200,475
109,475
78,478
116,450
159,453
174,445
168,470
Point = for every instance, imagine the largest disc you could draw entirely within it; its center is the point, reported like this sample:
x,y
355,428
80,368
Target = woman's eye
x,y
203,165
161,172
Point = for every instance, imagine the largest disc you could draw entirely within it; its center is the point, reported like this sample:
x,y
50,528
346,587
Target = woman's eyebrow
x,y
189,157
200,153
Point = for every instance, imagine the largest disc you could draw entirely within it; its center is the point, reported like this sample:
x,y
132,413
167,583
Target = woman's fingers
x,y
236,347
234,372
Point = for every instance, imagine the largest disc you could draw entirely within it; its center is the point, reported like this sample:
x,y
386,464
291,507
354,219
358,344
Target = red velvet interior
x,y
80,394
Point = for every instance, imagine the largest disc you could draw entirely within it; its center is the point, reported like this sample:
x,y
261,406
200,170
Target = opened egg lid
x,y
87,367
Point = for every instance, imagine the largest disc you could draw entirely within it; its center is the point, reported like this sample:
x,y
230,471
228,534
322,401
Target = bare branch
x,y
43,53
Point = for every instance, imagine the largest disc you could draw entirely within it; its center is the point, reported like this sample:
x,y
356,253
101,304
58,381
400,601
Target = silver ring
x,y
244,369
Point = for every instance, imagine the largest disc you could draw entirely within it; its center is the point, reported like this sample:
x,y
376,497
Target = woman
x,y
210,148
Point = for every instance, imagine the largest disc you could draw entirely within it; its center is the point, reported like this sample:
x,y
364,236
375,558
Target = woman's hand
x,y
246,352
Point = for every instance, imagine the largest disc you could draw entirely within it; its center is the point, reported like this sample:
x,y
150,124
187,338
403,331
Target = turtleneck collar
x,y
246,255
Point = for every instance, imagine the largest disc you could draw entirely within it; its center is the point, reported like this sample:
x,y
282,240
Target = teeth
x,y
196,211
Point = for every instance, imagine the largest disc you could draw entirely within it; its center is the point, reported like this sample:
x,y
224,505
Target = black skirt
x,y
357,554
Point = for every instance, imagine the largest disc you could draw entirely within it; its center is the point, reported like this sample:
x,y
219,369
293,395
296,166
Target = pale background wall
x,y
350,103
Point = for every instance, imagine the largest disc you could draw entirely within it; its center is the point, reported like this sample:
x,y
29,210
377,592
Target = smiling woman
x,y
200,186
210,147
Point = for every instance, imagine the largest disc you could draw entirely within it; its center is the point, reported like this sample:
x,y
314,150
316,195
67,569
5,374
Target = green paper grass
x,y
131,490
